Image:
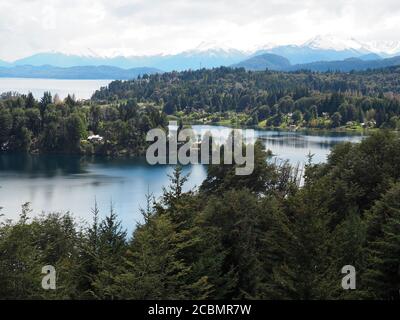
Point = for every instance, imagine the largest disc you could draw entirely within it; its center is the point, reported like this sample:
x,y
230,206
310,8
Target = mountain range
x,y
332,48
320,53
347,65
319,48
279,63
191,59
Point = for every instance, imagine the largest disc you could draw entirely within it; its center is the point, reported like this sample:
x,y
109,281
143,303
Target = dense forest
x,y
368,99
54,126
258,237
261,236
120,115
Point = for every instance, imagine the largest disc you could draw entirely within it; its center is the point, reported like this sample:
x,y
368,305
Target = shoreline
x,y
301,129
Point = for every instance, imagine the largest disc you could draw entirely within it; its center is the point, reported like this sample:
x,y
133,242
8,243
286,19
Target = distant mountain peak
x,y
212,46
332,42
265,47
214,49
386,47
209,54
337,43
264,61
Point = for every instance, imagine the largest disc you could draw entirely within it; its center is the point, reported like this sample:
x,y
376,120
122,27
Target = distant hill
x,y
279,63
256,63
264,61
193,59
370,56
81,72
352,64
304,54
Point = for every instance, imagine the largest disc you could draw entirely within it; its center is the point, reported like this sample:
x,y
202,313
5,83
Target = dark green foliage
x,y
317,96
260,236
359,174
384,246
63,127
265,178
26,246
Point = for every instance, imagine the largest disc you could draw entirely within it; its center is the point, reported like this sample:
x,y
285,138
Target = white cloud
x,y
155,26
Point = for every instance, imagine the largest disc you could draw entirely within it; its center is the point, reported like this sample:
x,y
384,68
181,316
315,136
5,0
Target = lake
x,y
71,183
82,89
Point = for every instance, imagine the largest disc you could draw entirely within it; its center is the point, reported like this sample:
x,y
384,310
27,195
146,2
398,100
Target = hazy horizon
x,y
141,27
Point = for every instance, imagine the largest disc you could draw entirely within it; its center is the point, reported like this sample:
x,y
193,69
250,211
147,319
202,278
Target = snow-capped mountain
x,y
265,47
214,54
317,49
331,48
331,42
390,48
205,55
206,46
215,49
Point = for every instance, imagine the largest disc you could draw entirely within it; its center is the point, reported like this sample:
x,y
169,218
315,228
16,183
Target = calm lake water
x,y
83,89
69,183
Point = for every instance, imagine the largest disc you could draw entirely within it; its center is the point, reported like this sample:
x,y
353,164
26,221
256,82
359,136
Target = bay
x,y
53,183
82,89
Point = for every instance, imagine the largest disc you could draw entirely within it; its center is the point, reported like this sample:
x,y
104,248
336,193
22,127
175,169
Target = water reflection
x,y
62,183
41,165
72,183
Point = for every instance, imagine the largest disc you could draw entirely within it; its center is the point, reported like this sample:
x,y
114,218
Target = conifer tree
x,y
297,245
382,276
112,247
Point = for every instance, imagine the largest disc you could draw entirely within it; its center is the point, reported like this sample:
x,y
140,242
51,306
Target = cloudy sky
x,y
165,26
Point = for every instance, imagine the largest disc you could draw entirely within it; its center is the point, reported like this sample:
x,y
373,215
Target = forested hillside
x,y
55,126
347,65
272,99
255,237
264,61
279,63
122,113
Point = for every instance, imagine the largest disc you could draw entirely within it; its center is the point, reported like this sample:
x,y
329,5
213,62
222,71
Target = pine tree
x,y
89,255
297,245
348,248
162,250
235,219
109,261
152,269
30,101
382,277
